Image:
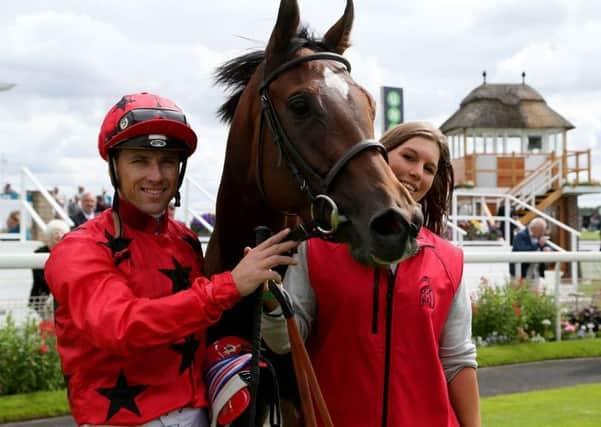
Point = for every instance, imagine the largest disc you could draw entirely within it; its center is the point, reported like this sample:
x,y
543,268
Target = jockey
x,y
132,306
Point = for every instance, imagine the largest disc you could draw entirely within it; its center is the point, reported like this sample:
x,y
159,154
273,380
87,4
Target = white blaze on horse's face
x,y
334,81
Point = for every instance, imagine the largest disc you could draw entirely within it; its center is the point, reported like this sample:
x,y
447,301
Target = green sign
x,y
392,101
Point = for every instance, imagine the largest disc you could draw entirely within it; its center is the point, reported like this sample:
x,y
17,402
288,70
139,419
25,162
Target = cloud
x,y
73,60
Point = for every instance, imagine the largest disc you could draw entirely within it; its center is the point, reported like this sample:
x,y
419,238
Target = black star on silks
x,y
194,242
117,246
180,276
122,396
188,350
122,103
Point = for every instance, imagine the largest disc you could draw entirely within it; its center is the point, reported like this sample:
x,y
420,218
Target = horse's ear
x,y
339,36
285,28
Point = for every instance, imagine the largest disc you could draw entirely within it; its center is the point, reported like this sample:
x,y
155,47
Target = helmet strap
x,y
180,181
115,182
113,170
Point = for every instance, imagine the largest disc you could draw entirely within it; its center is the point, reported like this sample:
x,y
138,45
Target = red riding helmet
x,y
144,120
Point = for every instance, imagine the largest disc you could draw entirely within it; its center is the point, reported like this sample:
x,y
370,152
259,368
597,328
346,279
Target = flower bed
x,y
29,360
517,313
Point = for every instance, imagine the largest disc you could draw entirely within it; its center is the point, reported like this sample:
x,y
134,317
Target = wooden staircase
x,y
542,202
540,189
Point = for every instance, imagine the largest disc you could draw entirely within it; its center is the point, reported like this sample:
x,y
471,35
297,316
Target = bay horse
x,y
301,145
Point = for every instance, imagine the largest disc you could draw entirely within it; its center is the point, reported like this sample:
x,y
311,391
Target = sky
x,y
71,60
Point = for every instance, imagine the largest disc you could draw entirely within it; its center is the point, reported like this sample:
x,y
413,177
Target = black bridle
x,y
312,183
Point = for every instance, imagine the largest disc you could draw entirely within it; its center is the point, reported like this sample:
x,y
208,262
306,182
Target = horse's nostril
x,y
389,223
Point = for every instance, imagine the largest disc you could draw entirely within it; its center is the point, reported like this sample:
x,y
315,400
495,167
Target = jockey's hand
x,y
256,266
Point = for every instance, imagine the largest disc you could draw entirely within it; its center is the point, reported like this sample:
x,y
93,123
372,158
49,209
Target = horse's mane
x,y
236,73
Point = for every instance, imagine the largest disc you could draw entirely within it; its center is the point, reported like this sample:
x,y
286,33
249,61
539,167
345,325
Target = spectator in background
x,y
88,209
9,192
60,198
73,207
100,206
38,296
13,222
531,238
13,225
107,199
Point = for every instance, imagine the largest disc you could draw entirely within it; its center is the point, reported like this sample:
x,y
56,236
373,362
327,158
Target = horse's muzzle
x,y
392,235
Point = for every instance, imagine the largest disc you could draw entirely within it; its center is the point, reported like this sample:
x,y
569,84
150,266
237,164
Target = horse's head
x,y
312,128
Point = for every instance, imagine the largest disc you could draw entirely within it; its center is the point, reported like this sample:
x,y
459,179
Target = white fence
x,y
26,261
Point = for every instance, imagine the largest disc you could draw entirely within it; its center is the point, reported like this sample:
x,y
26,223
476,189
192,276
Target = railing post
x,y
454,213
557,303
554,185
574,264
507,221
588,165
22,200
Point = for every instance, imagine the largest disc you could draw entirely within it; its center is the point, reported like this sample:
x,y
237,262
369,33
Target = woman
x,y
55,230
390,346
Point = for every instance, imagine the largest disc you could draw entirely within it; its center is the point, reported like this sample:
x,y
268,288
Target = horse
x,y
301,146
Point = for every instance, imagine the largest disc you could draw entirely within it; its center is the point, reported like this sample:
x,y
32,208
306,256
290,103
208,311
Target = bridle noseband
x,y
309,180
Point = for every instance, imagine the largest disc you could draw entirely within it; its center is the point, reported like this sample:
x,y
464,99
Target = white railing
x,y
26,207
189,212
25,173
456,231
507,220
537,257
11,261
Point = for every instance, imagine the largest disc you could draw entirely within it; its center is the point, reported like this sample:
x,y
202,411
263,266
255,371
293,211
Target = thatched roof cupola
x,y
505,106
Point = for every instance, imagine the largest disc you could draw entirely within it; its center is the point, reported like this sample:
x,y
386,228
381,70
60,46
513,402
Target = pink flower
x,y
43,349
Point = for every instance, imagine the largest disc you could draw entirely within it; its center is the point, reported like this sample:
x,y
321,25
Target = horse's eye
x,y
299,105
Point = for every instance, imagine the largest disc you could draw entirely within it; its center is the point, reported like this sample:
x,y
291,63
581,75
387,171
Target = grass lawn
x,y
563,407
532,352
41,404
589,235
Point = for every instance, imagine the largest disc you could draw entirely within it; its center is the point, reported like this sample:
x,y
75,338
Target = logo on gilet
x,y
426,295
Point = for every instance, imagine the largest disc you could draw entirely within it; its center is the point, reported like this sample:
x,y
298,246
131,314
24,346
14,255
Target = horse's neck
x,y
239,210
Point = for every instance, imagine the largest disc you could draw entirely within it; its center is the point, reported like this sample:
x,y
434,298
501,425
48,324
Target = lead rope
x,y
309,390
